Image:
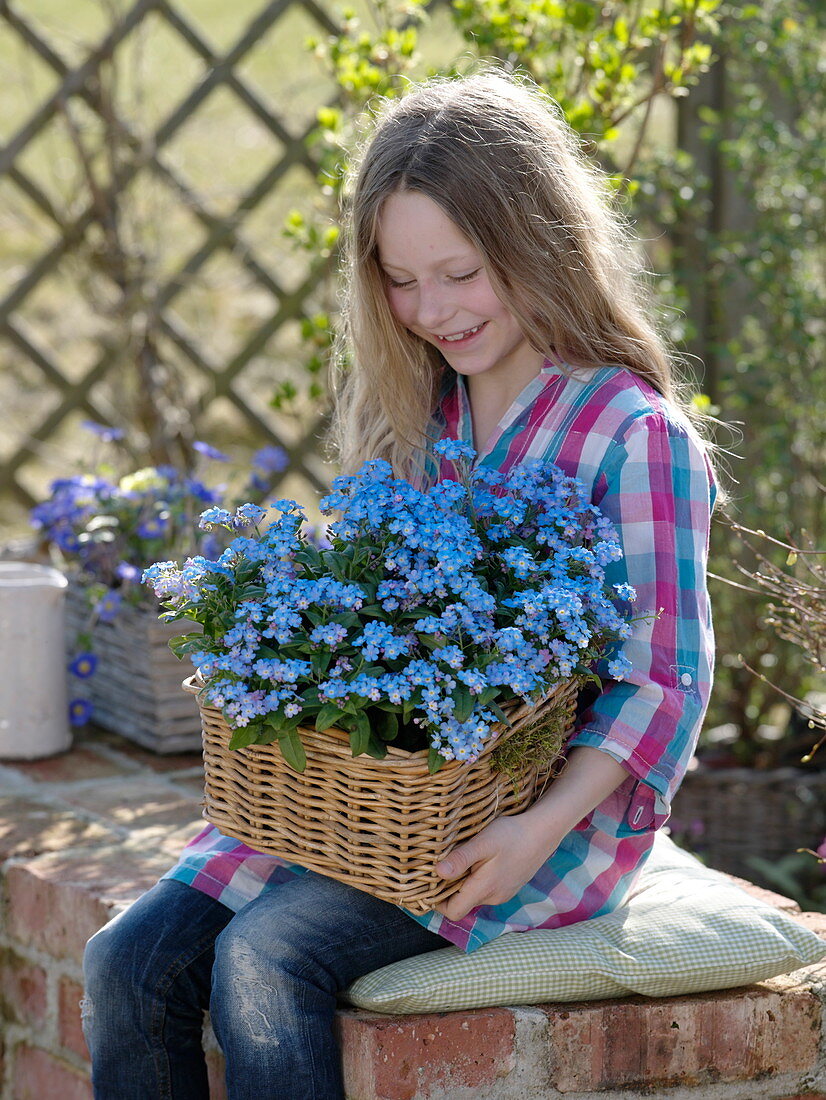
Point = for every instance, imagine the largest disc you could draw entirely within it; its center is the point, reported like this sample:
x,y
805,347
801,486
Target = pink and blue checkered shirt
x,y
648,473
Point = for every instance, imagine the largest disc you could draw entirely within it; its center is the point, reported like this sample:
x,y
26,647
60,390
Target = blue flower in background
x,y
102,431
154,527
83,665
270,460
127,572
80,711
208,451
107,608
201,492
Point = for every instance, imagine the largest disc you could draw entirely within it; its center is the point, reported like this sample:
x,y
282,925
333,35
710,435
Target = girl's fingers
x,y
474,891
458,906
461,858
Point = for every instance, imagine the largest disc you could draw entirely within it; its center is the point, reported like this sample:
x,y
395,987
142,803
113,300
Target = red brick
x,y
36,1075
399,1058
55,903
22,989
690,1041
68,767
70,1033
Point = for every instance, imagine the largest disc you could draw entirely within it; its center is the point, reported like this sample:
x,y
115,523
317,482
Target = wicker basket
x,y
136,688
378,825
728,815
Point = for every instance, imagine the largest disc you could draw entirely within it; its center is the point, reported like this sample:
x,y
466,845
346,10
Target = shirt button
x,y
685,679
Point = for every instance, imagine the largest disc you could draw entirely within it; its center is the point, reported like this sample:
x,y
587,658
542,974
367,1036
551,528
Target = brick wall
x,y
82,834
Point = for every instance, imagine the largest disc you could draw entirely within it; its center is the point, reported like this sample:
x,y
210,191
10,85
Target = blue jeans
x,y
268,974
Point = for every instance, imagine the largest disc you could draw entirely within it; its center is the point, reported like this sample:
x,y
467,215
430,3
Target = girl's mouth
x,y
457,339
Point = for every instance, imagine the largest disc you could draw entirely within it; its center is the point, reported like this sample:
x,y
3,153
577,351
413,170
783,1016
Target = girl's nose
x,y
434,307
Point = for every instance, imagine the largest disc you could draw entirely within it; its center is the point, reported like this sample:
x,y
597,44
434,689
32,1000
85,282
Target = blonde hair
x,y
495,154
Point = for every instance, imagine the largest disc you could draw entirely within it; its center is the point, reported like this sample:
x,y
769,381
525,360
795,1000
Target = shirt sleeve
x,y
657,490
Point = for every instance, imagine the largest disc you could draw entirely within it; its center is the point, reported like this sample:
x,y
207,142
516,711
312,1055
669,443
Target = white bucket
x,y
34,718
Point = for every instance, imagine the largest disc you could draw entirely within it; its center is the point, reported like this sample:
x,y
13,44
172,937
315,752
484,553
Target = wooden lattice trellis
x,y
222,232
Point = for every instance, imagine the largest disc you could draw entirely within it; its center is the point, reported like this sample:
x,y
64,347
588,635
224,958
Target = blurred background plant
x,y
764,349
796,612
104,526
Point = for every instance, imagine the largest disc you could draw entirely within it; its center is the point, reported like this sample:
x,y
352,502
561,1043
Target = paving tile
x,y
29,827
80,763
136,803
156,762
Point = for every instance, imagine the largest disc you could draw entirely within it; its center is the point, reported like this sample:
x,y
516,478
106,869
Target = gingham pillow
x,y
685,928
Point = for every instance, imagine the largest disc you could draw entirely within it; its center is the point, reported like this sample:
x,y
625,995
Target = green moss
x,y
535,744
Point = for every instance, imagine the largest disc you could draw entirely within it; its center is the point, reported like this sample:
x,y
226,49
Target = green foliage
x,y
799,875
604,63
772,378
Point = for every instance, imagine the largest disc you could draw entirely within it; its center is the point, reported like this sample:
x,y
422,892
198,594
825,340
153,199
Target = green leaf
x,y
376,747
329,715
434,761
359,733
322,661
346,618
251,592
375,610
293,750
388,725
500,714
463,703
588,675
186,643
245,735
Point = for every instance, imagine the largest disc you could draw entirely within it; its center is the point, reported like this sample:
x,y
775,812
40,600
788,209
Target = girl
x,y
491,297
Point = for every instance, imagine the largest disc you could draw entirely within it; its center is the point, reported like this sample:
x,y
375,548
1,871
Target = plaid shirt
x,y
648,473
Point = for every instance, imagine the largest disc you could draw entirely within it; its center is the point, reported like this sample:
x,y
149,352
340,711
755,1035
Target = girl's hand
x,y
507,853
504,856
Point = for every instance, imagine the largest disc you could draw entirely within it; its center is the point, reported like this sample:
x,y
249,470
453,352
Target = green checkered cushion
x,y
685,928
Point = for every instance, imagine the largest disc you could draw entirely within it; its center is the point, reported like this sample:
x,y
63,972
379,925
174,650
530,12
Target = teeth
x,y
461,335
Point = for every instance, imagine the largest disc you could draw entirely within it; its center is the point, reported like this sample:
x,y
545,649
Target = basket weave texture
x,y
732,814
378,825
136,688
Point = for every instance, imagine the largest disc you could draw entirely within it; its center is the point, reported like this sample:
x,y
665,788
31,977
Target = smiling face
x,y
438,288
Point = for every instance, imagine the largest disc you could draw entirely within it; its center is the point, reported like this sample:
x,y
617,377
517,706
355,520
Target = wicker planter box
x,y
379,825
136,688
728,815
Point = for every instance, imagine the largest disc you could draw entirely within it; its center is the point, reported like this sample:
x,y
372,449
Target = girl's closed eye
x,y
403,284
